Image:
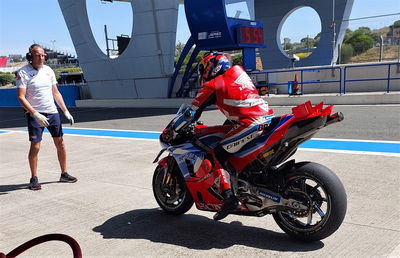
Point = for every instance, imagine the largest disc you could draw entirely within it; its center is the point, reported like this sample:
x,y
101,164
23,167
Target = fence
x,y
388,78
332,79
8,97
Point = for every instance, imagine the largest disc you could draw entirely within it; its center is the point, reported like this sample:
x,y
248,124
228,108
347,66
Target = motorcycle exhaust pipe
x,y
337,117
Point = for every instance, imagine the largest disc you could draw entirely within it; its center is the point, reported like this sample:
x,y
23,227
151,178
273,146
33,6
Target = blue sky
x,y
23,22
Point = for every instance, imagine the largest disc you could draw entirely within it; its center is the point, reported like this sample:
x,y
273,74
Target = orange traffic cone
x,y
295,85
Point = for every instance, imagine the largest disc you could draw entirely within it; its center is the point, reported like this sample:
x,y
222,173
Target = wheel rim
x,y
319,211
170,194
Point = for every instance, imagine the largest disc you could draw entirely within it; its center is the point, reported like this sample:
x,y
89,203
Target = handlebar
x,y
172,137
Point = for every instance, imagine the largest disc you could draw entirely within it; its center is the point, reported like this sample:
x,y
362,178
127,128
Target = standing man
x,y
37,91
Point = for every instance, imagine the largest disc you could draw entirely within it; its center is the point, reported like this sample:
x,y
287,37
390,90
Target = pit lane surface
x,y
111,211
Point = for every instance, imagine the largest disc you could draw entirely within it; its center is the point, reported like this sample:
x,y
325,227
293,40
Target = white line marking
x,y
353,152
352,140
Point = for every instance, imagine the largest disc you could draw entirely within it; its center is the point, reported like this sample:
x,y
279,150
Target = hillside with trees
x,y
365,45
361,45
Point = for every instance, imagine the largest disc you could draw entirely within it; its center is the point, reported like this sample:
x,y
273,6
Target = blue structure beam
x,y
212,30
274,13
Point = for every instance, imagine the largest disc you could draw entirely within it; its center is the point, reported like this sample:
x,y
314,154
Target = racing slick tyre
x,y
170,191
323,193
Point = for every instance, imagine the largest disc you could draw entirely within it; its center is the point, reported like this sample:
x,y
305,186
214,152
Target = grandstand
x,y
59,58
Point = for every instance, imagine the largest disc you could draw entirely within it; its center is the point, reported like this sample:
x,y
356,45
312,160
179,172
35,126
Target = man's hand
x,y
41,119
69,117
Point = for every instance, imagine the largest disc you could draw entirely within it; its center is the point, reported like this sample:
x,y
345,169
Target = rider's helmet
x,y
213,64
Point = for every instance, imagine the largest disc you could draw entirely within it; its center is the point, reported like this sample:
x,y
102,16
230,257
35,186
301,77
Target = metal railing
x,y
302,82
388,78
341,82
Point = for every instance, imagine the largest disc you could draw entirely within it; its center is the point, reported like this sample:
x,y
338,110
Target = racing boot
x,y
230,204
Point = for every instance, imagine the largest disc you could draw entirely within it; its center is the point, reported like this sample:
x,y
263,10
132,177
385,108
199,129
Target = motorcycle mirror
x,y
188,115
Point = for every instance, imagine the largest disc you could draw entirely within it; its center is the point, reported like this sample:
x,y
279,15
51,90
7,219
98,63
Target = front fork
x,y
167,164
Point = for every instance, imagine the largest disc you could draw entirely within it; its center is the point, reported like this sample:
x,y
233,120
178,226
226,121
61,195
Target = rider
x,y
231,89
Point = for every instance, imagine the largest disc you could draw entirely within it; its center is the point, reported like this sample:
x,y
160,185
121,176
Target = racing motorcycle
x,y
306,199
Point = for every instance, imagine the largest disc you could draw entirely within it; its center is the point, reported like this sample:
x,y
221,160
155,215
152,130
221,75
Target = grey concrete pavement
x,y
111,210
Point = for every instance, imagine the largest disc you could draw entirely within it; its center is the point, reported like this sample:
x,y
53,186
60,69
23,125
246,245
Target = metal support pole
x,y
381,50
334,32
340,81
344,80
388,80
105,34
302,84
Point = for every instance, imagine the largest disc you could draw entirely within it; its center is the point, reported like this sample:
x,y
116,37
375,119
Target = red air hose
x,y
50,237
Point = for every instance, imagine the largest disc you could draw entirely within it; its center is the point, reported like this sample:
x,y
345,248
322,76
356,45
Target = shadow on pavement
x,y
10,188
196,232
14,117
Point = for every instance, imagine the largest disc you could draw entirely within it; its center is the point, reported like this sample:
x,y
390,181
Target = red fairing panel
x,y
241,162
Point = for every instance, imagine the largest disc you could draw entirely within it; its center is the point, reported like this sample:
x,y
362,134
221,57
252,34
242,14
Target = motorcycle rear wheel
x,y
172,196
328,203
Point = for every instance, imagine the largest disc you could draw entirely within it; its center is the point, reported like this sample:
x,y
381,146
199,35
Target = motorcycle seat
x,y
274,122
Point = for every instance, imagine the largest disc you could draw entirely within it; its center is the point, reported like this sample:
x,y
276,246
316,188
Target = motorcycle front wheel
x,y
170,191
322,191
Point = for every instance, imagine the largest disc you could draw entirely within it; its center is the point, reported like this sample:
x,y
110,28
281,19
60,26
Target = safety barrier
x,y
341,81
302,81
388,78
8,97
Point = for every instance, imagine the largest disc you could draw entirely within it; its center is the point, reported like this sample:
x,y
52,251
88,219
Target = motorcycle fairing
x,y
261,141
202,181
210,136
212,140
307,110
254,148
188,157
184,117
205,192
264,143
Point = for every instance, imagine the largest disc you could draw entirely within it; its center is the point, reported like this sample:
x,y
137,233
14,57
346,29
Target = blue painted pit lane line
x,y
313,144
330,144
348,145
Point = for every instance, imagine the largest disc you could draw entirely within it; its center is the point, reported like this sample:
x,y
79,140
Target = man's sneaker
x,y
65,177
34,184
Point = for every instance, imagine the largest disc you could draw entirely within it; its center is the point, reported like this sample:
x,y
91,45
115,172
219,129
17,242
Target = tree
x,y
347,35
396,24
6,78
179,48
308,42
347,52
360,43
286,44
57,71
367,31
237,59
362,30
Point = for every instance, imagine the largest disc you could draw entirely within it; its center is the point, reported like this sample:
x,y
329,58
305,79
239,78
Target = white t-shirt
x,y
38,84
